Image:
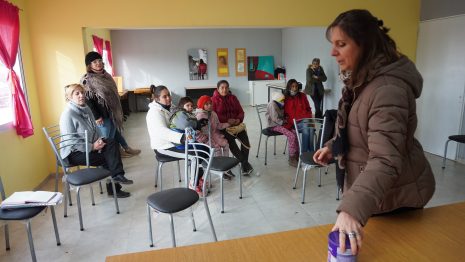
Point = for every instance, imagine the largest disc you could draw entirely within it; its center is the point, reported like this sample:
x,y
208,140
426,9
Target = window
x,y
6,103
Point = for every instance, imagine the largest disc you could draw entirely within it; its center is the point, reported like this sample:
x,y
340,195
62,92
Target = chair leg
x,y
78,200
7,238
274,152
319,177
160,175
266,148
240,181
326,171
338,188
100,186
150,225
54,220
173,237
192,219
31,243
285,147
222,193
65,191
209,218
115,198
92,194
445,153
56,176
296,175
259,141
304,183
179,171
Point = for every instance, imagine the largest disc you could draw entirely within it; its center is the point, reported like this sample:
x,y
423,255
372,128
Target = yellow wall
x,y
56,35
23,161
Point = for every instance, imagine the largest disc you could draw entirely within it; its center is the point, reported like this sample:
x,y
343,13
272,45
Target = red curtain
x,y
110,57
9,43
98,44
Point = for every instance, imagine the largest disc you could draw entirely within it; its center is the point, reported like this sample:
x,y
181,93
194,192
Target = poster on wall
x,y
222,61
260,68
197,59
240,62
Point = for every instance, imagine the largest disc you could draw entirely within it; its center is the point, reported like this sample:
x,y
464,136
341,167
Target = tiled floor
x,y
269,205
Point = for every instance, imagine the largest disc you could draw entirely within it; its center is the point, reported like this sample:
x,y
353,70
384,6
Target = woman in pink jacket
x,y
229,111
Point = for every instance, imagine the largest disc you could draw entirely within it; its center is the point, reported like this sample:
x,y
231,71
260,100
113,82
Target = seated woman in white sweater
x,y
78,118
163,139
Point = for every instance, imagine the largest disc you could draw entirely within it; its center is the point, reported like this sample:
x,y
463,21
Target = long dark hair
x,y
370,34
287,91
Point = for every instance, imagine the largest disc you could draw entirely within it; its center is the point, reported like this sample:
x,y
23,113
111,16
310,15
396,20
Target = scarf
x,y
166,107
103,88
351,90
86,114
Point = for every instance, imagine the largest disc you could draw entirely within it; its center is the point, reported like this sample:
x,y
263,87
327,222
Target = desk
x,y
432,234
196,92
124,98
145,93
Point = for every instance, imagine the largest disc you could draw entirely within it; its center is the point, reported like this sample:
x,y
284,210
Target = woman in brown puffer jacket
x,y
385,165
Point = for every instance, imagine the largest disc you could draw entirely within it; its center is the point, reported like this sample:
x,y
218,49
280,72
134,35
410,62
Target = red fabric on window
x,y
110,57
98,44
9,43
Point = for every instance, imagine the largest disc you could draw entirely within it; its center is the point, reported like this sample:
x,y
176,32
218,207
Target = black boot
x,y
119,193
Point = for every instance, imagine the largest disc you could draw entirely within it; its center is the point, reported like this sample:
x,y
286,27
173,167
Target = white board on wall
x,y
441,61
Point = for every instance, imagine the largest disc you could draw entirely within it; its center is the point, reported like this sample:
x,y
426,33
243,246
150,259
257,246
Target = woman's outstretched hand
x,y
322,156
349,227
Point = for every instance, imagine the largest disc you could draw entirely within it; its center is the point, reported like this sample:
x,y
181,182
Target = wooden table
x,y
432,234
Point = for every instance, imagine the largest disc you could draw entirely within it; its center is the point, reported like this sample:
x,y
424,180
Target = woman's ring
x,y
352,235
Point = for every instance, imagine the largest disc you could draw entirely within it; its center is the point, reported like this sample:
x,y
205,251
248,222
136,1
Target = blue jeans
x,y
107,129
120,139
307,137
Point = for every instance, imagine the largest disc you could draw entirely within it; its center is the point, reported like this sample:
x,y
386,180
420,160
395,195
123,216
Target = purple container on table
x,y
334,254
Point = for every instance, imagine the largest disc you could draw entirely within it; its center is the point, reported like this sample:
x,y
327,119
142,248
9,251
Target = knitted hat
x,y
278,97
202,101
91,56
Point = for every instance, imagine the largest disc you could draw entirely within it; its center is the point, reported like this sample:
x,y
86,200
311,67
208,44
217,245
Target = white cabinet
x,y
259,90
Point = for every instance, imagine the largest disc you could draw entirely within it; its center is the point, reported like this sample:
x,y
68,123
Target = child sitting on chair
x,y
217,140
275,117
183,118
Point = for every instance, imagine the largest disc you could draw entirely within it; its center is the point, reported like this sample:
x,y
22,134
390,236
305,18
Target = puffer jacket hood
x,y
405,70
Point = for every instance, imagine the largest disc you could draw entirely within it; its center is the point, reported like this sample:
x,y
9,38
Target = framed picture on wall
x,y
197,59
222,61
241,62
260,67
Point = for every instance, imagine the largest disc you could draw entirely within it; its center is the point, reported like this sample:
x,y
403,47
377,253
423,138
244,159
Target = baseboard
x,y
51,176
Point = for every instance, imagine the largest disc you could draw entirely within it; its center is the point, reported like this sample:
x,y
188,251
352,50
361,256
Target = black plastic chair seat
x,y
269,132
165,158
307,158
20,213
222,163
86,176
172,200
458,138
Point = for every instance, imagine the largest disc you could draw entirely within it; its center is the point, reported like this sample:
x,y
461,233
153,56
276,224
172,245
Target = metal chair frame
x,y
194,158
261,109
455,138
159,173
77,138
27,223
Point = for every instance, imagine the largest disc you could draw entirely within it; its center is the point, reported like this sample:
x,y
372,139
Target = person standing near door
x,y
314,85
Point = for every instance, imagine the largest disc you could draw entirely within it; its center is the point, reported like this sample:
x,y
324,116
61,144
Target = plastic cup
x,y
334,253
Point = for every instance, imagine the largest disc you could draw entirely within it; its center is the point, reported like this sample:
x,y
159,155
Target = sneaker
x,y
132,151
247,170
123,180
119,193
227,176
197,189
124,154
230,173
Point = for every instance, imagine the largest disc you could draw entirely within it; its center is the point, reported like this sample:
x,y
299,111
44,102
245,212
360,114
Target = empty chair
x,y
306,158
173,200
80,177
25,215
261,109
456,138
162,159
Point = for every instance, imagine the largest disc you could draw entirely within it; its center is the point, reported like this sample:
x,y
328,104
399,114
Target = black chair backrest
x,y
329,126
